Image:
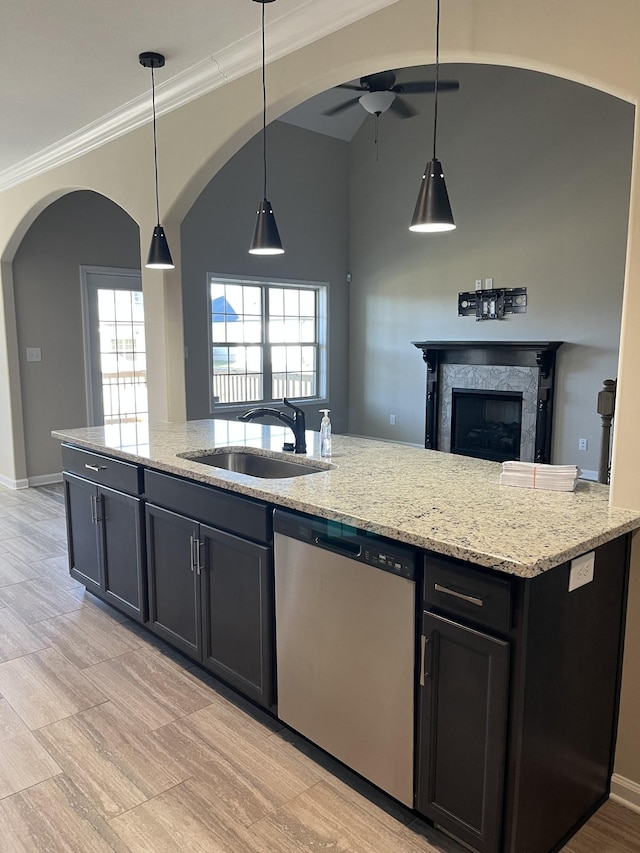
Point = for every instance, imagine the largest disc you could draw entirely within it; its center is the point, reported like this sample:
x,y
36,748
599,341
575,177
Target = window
x,y
267,340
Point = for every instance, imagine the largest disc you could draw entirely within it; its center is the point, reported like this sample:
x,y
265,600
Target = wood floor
x,y
109,741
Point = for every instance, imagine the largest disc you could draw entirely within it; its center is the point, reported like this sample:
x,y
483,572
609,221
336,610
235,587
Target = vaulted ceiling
x,y
70,75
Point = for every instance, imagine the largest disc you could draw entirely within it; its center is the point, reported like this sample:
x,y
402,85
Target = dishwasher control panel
x,y
396,563
347,541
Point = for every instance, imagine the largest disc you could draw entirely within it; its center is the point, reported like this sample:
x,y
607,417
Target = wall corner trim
x,y
625,792
8,483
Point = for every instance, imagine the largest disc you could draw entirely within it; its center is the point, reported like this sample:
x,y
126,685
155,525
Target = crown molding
x,y
283,37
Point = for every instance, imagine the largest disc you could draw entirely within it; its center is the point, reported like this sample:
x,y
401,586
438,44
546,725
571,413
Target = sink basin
x,y
253,464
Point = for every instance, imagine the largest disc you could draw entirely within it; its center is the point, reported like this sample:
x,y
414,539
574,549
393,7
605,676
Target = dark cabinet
x,y
211,590
82,536
174,587
237,612
104,528
465,646
462,730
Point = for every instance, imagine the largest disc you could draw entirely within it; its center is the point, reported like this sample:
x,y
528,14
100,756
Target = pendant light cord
x,y
155,142
435,105
264,108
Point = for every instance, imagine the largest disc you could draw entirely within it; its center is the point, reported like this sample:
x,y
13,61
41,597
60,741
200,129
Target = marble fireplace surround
x,y
525,367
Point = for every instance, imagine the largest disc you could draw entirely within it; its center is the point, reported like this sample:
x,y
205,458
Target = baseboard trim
x,y
626,792
8,483
45,479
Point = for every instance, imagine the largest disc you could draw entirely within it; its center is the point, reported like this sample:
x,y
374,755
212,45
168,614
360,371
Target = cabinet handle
x,y
423,655
94,509
470,598
199,564
99,505
95,467
192,560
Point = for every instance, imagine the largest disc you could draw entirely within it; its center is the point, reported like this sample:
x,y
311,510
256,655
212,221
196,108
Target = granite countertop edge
x,y
451,505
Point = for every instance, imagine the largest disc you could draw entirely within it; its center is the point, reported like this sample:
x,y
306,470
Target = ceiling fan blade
x,y
334,111
448,86
402,109
351,86
421,86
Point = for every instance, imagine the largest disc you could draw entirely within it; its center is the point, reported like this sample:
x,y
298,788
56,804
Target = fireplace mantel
x,y
534,354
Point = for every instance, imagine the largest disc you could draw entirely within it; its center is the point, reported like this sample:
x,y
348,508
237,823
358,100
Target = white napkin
x,y
532,475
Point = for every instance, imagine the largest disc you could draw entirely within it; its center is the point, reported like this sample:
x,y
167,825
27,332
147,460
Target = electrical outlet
x,y
392,420
478,284
581,571
582,444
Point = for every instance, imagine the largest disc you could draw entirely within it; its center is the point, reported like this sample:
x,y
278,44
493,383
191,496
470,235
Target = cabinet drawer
x,y
453,588
215,507
104,470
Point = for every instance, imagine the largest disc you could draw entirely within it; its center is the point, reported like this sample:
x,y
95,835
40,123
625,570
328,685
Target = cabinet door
x,y
80,503
121,550
462,731
174,585
237,612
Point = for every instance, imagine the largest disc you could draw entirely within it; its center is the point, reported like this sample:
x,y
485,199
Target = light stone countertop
x,y
449,504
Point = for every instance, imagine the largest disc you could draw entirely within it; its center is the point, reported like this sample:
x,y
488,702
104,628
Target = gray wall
x,y
538,172
82,228
309,190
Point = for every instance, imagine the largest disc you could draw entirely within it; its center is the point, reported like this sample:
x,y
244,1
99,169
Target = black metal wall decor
x,y
492,304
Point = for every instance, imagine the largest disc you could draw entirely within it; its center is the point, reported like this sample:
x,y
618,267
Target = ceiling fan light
x,y
266,237
377,102
433,211
159,257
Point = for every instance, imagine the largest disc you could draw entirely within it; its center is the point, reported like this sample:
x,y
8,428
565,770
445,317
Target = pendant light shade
x,y
266,237
433,210
159,257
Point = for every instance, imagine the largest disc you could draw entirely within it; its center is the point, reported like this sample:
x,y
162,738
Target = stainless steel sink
x,y
255,465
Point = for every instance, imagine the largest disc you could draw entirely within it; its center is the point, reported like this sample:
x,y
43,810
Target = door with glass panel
x,y
115,352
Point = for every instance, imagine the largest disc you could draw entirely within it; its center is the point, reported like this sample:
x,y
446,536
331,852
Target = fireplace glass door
x,y
486,424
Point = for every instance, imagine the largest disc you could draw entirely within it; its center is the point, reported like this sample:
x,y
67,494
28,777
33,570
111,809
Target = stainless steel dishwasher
x,y
345,641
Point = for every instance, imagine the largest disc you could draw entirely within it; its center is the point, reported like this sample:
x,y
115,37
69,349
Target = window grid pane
x,y
256,352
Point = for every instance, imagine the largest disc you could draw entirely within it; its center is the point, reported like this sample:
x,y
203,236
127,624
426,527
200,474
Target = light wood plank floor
x,y
110,741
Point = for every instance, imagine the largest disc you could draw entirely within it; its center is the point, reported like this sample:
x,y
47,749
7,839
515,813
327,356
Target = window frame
x,y
321,289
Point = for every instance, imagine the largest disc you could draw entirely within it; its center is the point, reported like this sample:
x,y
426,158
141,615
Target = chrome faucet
x,y
296,423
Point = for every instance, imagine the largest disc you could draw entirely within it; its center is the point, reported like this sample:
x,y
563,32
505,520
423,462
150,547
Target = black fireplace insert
x,y
486,424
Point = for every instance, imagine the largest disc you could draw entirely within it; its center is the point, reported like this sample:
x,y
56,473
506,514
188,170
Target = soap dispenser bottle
x,y
325,433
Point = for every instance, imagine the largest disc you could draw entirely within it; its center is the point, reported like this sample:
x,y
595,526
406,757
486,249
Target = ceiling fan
x,y
382,93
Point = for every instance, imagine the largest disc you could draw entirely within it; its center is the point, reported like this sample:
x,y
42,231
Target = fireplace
x,y
486,424
524,370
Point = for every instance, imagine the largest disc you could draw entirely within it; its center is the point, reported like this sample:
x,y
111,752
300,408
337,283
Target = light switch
x,y
34,354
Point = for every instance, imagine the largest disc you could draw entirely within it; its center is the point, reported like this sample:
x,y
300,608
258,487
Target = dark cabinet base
x,y
211,596
462,734
106,546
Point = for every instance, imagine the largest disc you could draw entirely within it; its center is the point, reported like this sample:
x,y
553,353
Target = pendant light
x,y
266,238
433,211
159,255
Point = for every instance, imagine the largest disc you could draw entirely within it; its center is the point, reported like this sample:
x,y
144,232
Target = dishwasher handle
x,y
338,546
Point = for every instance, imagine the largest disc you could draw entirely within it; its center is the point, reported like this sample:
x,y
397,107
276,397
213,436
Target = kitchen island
x,y
452,505
515,602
